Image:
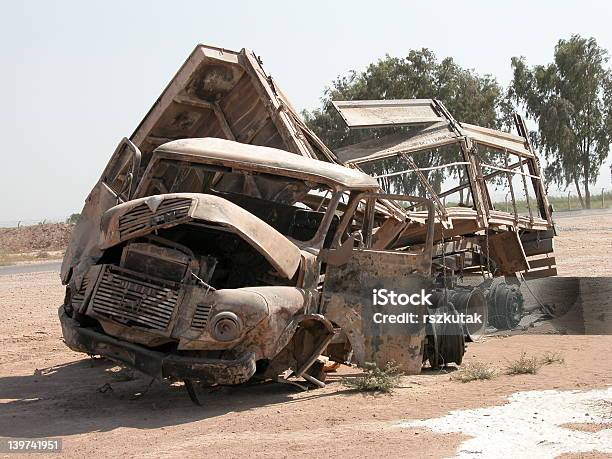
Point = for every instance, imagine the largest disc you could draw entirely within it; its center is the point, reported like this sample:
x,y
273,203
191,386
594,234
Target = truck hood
x,y
145,215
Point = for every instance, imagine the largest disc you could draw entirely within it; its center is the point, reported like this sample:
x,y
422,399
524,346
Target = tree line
x,y
569,101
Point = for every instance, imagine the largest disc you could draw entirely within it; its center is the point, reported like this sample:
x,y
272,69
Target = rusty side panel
x,y
506,249
347,302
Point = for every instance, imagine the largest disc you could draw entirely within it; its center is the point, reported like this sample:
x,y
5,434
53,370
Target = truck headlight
x,y
226,326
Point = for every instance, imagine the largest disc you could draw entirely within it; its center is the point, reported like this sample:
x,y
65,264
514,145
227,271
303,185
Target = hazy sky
x,y
78,76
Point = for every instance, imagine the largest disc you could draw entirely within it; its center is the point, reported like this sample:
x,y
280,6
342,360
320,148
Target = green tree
x,y
570,100
73,219
468,96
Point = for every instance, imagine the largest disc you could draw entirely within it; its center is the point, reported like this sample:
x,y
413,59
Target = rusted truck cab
x,y
211,265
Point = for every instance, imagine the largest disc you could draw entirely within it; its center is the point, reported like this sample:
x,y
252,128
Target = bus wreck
x,y
475,235
225,243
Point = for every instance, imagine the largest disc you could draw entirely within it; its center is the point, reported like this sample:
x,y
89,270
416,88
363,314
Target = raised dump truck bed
x,y
226,94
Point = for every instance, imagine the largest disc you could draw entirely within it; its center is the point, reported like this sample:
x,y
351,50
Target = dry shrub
x,y
524,366
552,357
475,371
376,379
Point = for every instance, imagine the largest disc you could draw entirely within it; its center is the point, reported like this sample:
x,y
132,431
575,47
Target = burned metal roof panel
x,y
385,113
497,139
394,144
269,160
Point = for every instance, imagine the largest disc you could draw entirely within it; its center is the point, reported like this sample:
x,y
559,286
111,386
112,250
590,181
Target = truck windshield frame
x,y
201,177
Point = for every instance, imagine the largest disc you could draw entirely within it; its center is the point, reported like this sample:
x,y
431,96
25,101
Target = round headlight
x,y
226,326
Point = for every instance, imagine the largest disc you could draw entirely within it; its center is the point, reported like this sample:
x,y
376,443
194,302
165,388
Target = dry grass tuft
x,y
552,357
524,366
475,371
376,379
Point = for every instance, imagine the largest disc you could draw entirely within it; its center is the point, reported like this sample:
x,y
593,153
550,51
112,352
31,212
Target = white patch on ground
x,y
529,425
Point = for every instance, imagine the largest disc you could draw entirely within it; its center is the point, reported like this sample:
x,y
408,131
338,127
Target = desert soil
x,y
49,237
46,390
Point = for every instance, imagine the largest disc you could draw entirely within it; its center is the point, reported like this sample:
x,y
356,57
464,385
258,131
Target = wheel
x,y
445,341
505,305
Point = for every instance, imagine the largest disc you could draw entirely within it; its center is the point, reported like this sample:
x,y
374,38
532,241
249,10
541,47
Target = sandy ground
x,y
46,390
584,244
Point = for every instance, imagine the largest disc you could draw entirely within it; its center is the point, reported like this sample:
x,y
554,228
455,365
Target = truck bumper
x,y
153,363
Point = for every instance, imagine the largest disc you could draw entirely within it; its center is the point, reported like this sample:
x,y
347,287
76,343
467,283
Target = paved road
x,y
31,268
581,213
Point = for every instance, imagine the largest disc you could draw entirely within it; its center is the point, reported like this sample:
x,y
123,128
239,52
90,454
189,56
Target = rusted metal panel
x,y
538,247
276,248
348,303
497,139
385,113
542,263
208,72
506,250
265,159
385,147
227,94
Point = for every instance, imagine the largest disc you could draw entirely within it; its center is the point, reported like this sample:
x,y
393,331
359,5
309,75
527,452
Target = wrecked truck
x,y
225,243
226,262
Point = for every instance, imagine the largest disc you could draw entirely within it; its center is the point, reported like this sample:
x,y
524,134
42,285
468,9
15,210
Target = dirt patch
x,y
582,242
48,390
35,238
587,426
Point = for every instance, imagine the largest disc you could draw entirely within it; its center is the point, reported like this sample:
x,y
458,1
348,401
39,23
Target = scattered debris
x,y
106,387
121,374
142,393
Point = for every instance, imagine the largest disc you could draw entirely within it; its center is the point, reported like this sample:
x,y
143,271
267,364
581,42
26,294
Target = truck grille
x,y
79,296
141,217
200,318
126,297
